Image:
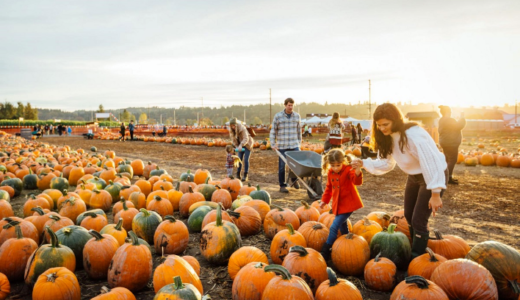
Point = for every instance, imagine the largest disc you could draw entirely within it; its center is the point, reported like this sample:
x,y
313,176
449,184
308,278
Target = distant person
x,y
354,133
60,130
450,137
243,143
359,130
46,129
164,130
286,135
51,129
230,151
69,131
131,128
122,132
153,130
336,128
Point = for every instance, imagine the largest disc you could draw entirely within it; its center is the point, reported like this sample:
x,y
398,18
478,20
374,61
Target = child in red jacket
x,y
341,189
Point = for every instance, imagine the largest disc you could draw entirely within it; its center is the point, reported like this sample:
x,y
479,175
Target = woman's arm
x,y
378,166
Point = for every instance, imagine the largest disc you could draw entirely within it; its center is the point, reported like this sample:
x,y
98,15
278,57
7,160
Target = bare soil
x,y
484,206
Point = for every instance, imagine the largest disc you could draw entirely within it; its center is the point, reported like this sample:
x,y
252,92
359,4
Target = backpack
x,y
251,131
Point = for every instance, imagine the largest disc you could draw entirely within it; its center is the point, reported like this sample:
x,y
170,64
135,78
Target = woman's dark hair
x,y
359,126
384,143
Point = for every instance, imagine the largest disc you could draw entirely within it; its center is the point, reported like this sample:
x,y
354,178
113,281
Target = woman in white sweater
x,y
410,147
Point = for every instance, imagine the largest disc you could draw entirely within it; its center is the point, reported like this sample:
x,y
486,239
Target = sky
x,y
79,54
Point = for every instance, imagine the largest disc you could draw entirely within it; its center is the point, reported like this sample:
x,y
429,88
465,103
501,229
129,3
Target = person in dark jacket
x,y
164,130
354,133
450,137
131,129
123,129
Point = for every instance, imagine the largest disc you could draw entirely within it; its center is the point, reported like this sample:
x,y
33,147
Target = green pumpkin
x,y
187,176
15,183
206,189
100,183
196,218
3,169
393,245
82,216
261,195
93,149
240,201
196,205
125,168
179,290
74,237
114,189
4,195
30,181
158,172
60,183
174,141
145,223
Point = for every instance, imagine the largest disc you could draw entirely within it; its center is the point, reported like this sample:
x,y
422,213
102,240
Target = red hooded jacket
x,y
341,188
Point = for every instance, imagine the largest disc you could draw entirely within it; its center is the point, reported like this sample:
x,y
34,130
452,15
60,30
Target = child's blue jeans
x,y
339,223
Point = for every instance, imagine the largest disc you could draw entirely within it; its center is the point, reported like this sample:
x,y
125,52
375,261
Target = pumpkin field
x,y
174,207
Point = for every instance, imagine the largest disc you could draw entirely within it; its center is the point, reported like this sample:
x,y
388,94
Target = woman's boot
x,y
419,244
245,178
238,176
325,251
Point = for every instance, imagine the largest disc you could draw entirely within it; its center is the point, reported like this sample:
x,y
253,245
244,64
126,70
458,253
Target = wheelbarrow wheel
x,y
316,186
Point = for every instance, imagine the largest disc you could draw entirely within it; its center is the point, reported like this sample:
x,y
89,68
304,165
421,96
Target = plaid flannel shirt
x,y
286,133
229,161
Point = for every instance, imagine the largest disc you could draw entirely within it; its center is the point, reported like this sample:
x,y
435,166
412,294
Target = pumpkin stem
x,y
55,217
157,198
96,191
259,265
125,207
419,281
39,210
279,270
52,277
145,212
333,279
367,221
90,214
290,228
11,224
134,238
515,286
438,234
299,249
96,234
432,255
317,226
233,213
55,243
170,218
119,224
178,186
257,187
219,216
304,203
19,233
391,228
105,290
190,189
378,257
276,207
207,180
177,283
349,236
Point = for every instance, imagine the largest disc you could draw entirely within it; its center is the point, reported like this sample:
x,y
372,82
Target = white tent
x,y
313,120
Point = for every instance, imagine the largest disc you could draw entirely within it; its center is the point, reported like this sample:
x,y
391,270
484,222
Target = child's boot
x,y
325,251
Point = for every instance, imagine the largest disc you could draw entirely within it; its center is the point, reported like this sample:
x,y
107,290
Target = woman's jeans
x,y
281,167
339,223
244,157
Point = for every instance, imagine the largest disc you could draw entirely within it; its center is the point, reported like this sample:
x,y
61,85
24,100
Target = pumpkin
x,y
260,195
116,230
75,174
5,287
425,264
197,217
72,208
503,262
286,284
161,206
118,293
246,189
487,159
188,177
49,256
171,236
94,221
449,246
206,189
128,215
317,205
83,215
194,263
416,287
196,205
30,181
148,168
98,182
138,199
28,230
74,237
503,161
232,185
241,200
184,186
380,274
187,200
178,291
33,202
202,176
471,161
335,288
15,183
251,281
308,264
145,224
350,254
223,197
131,266
465,279
307,213
366,229
55,223
174,265
402,225
174,195
59,183
283,241
119,205
162,185
98,253
138,167
260,206
127,190
244,256
66,196
6,210
211,216
125,168
145,186
247,220
58,284
14,254
219,240
392,245
114,189
315,234
381,218
276,220
39,218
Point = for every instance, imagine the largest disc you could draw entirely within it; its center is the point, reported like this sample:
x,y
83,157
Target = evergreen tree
x,y
20,110
101,109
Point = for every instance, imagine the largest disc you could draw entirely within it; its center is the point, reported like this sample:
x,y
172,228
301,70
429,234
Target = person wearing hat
x,y
450,137
243,143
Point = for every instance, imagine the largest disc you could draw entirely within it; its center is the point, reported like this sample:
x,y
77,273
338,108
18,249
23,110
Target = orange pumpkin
x,y
118,293
307,213
449,246
366,228
5,287
223,197
380,274
425,264
201,175
244,256
286,284
350,254
187,200
14,254
171,236
315,234
260,206
58,284
97,254
247,220
380,217
194,263
308,262
174,265
335,288
276,220
416,287
232,185
251,281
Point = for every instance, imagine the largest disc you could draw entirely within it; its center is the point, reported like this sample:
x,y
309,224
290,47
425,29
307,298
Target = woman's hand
x,y
357,164
435,202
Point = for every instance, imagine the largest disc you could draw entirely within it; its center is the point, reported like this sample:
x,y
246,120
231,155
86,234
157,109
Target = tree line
x,y
10,112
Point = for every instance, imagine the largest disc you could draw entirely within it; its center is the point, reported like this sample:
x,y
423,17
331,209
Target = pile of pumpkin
x,y
501,159
73,230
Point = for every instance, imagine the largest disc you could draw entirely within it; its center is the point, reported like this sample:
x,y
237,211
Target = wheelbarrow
x,y
306,166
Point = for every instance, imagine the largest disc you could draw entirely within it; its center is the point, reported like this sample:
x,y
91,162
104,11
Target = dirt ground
x,y
482,207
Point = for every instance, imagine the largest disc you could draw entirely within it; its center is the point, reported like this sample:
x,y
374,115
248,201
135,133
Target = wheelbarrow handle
x,y
313,193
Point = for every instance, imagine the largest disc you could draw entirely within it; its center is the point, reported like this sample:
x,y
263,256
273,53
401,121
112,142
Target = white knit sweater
x,y
421,156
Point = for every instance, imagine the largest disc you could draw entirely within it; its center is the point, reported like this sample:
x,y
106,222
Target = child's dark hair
x,y
229,149
334,156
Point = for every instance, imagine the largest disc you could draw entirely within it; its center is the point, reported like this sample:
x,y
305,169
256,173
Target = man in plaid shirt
x,y
286,135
